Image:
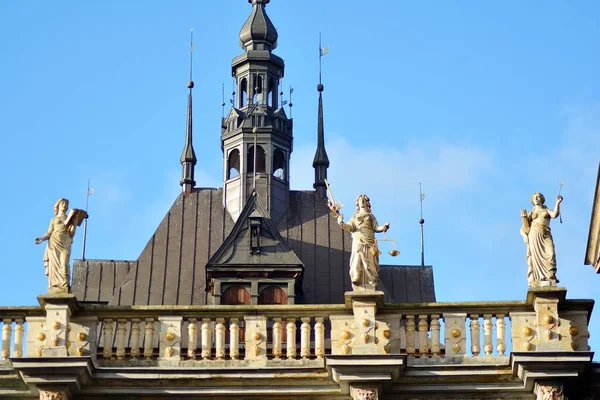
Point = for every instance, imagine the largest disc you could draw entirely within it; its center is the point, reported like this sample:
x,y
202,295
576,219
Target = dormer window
x,y
254,235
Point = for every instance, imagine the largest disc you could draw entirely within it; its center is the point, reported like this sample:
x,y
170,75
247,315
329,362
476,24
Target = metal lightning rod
x,y
85,221
422,223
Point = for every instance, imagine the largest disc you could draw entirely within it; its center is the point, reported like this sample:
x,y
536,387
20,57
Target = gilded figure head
x,y
58,203
364,201
537,197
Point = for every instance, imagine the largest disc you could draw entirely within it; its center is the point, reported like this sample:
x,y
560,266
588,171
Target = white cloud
x,y
385,172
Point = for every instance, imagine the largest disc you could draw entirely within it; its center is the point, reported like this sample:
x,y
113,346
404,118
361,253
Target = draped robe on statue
x,y
57,254
364,260
541,256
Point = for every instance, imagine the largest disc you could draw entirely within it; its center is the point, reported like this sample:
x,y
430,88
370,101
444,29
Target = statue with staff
x,y
364,258
541,255
58,251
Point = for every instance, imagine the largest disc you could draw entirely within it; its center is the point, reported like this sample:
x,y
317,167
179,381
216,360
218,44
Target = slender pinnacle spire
x,y
188,157
321,160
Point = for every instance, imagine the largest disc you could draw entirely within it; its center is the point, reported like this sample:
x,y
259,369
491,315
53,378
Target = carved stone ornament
x,y
550,393
365,394
48,395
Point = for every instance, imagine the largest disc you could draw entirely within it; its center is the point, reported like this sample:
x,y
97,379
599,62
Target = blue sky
x,y
484,103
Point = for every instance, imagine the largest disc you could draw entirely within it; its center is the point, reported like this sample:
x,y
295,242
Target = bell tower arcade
x,y
256,135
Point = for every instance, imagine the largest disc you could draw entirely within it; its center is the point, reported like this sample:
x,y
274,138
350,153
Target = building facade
x,y
243,292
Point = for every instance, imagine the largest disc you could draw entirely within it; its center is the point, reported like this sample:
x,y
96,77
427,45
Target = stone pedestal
x,y
59,308
545,303
364,306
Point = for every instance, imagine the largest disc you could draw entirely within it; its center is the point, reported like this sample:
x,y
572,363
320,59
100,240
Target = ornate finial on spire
x,y
321,160
188,157
258,33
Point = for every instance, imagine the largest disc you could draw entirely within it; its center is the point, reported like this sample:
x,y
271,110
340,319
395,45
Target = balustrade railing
x,y
13,325
452,329
291,332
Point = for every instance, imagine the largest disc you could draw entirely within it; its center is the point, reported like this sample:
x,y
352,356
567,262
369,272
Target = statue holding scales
x,y
364,258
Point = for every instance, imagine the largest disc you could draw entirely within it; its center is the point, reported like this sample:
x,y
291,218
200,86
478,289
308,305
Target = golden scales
x,y
335,208
394,252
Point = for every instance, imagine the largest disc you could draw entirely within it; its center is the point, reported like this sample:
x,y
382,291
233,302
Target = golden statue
x,y
58,251
364,260
541,257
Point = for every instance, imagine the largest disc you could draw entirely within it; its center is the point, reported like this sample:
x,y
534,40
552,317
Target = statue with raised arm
x,y
541,257
364,259
58,250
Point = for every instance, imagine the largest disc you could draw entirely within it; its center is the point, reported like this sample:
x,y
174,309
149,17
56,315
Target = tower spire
x,y
321,161
188,157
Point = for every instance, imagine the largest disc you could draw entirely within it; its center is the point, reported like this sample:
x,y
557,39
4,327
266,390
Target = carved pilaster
x,y
52,395
549,392
365,394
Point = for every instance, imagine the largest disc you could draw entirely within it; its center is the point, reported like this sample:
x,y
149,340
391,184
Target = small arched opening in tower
x,y
260,159
271,93
243,92
279,164
233,164
235,295
257,97
272,295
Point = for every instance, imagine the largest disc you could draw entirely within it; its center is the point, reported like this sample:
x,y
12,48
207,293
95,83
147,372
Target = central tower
x,y
256,136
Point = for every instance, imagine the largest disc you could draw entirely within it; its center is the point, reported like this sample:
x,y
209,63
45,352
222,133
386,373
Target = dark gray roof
x,y
258,26
171,268
235,250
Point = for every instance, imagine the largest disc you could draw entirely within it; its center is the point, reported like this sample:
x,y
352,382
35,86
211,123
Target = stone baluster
x,y
319,337
234,339
410,335
305,337
108,338
220,339
435,335
206,338
121,338
475,342
277,335
6,333
500,334
18,349
149,339
291,338
488,347
423,330
135,338
192,338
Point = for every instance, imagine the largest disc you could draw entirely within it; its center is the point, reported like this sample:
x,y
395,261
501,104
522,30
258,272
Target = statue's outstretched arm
x,y
46,235
383,228
556,212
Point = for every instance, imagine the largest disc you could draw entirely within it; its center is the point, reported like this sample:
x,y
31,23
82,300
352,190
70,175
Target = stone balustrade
x,y
203,333
13,325
364,325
